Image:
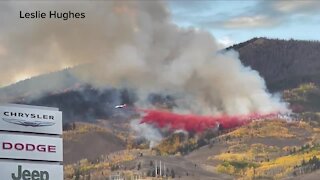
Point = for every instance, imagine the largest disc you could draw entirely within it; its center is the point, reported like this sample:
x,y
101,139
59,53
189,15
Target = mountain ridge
x,y
284,64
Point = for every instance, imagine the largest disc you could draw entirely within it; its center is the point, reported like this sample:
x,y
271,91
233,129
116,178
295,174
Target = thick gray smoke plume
x,y
131,44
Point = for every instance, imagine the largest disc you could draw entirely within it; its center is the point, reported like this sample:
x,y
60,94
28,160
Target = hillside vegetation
x,y
305,100
90,141
269,150
284,64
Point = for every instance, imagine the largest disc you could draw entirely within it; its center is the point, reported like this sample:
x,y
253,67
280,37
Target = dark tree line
x,y
307,166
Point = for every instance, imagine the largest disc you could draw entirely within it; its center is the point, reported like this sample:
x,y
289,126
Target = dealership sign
x,y
31,146
31,171
24,119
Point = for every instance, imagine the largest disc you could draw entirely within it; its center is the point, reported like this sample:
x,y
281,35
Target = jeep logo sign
x,y
26,119
27,174
30,147
30,171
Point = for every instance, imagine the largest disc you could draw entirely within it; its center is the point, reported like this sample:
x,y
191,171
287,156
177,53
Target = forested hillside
x,y
284,64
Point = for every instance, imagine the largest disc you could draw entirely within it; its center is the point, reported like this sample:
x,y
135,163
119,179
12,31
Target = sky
x,y
235,21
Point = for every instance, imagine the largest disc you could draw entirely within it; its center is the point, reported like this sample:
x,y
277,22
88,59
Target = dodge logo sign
x,y
28,147
31,147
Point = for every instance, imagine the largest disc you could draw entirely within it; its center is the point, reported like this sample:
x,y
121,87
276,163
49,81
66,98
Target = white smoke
x,y
146,131
132,44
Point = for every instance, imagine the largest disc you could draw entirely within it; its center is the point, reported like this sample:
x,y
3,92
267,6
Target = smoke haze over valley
x,y
172,89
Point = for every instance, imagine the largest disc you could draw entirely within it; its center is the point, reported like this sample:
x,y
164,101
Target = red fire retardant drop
x,y
196,123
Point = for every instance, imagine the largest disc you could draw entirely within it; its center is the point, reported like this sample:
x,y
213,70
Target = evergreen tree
x,y
173,175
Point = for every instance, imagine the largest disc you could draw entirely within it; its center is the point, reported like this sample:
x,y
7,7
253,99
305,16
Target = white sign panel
x,y
24,119
30,171
30,147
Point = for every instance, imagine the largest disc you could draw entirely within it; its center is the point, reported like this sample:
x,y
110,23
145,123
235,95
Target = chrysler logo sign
x,y
28,115
22,122
24,119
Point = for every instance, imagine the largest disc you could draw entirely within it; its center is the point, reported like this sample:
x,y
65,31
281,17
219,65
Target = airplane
x,y
121,106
